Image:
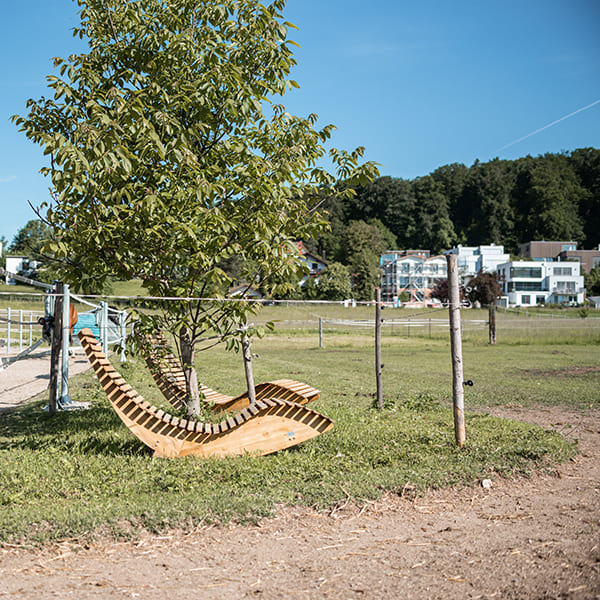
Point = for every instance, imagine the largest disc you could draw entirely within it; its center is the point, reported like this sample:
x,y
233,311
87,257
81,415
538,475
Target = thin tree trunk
x,y
189,370
246,344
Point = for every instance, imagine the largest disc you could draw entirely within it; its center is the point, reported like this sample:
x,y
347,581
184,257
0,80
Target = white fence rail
x,y
18,329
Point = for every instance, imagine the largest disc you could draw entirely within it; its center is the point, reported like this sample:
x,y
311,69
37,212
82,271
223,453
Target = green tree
x,y
592,282
435,230
488,212
30,239
361,248
334,283
549,193
586,162
165,161
366,275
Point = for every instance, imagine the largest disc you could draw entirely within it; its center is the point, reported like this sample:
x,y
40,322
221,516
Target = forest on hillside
x,y
551,197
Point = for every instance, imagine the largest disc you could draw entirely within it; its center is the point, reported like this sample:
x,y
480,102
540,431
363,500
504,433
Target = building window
x,y
530,272
540,300
524,286
525,299
568,247
563,271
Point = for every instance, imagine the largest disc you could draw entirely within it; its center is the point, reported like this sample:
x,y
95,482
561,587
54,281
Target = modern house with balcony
x,y
412,271
529,283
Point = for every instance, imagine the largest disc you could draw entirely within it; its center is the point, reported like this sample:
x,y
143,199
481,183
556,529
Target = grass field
x,y
80,473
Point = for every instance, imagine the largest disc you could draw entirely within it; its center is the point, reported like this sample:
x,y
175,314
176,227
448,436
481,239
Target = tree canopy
x,y
30,239
168,157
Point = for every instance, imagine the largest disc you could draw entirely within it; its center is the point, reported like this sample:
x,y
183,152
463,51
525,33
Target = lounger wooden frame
x,y
168,375
271,424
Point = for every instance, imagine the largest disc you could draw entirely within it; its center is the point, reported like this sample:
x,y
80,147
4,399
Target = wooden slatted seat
x,y
270,425
168,375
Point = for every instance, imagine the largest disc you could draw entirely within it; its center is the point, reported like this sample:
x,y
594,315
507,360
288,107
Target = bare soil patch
x,y
30,376
527,538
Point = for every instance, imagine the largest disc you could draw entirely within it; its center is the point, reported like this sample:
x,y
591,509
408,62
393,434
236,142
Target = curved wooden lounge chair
x,y
168,375
271,424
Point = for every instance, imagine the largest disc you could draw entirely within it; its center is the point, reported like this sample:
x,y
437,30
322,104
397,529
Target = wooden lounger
x,y
269,425
168,375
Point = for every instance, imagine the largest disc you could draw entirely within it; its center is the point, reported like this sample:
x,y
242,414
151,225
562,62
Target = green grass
x,y
21,297
80,474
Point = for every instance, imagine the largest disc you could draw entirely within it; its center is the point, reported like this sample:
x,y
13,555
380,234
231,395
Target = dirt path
x,y
30,376
536,538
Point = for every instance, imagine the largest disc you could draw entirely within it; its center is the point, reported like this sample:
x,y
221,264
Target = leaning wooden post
x,y
246,345
56,345
492,322
320,332
456,349
378,369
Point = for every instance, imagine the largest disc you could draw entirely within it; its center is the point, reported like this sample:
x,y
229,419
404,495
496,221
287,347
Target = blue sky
x,y
419,84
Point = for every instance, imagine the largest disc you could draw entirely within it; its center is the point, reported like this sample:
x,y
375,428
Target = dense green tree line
x,y
552,197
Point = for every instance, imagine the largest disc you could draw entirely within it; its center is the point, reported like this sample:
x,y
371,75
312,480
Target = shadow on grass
x,y
95,431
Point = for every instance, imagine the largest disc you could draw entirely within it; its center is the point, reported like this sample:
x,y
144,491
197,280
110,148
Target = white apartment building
x,y
411,271
472,259
528,282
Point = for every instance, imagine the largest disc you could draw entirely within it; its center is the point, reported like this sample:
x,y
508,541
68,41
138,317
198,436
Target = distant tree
x,y
452,180
434,229
334,283
592,282
361,248
487,198
385,238
549,193
365,275
586,162
484,288
30,239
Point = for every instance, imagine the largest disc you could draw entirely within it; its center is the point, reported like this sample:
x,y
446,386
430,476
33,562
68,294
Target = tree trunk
x,y
248,369
189,370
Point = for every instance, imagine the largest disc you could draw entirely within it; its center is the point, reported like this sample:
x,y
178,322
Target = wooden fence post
x,y
378,370
56,345
320,332
492,323
456,349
